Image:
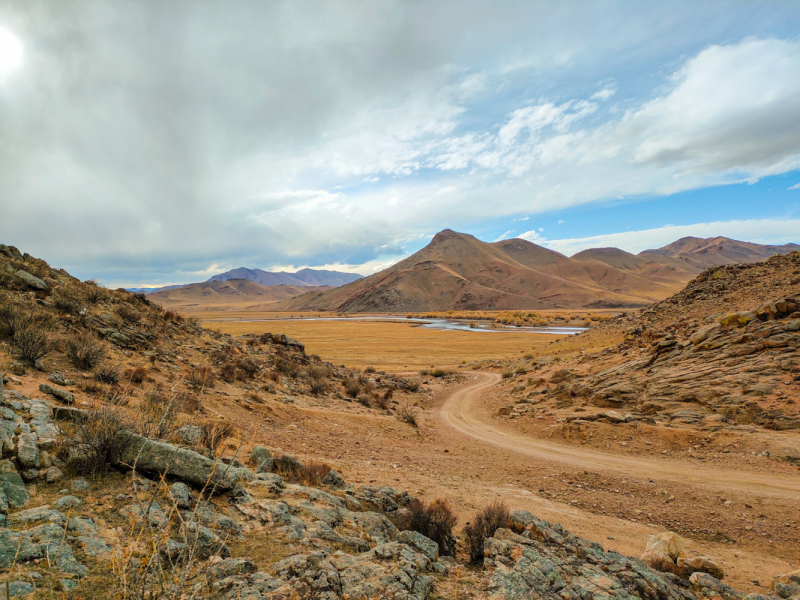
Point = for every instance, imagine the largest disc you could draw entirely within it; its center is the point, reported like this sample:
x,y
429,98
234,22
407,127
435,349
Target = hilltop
x,y
456,271
301,278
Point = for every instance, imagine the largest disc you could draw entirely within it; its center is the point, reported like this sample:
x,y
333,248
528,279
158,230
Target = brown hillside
x,y
234,293
709,252
459,272
653,267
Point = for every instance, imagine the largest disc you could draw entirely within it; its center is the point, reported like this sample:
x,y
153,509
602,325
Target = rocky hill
x,y
239,294
125,474
301,278
703,253
459,272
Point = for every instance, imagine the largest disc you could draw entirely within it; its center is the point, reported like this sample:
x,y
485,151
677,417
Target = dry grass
x,y
387,346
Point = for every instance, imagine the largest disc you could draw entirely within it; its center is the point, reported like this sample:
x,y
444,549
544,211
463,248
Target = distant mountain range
x,y
302,278
456,271
239,294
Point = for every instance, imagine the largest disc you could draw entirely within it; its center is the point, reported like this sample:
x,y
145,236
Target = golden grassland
x,y
394,346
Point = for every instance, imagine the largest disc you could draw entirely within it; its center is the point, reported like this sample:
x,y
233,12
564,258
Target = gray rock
x,y
181,494
7,431
418,541
190,435
19,588
28,451
30,474
61,395
31,280
261,459
79,485
13,493
334,479
66,502
151,456
239,495
53,474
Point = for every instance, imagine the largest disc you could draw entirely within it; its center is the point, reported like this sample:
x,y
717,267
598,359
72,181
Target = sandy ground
x,y
751,528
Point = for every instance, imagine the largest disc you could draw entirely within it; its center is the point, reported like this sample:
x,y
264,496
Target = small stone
x,y
53,474
261,459
28,451
30,474
181,494
79,485
190,435
66,502
19,588
334,479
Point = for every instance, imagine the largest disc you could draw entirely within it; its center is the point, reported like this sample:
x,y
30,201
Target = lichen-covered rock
x,y
261,459
13,493
181,494
28,451
63,395
31,280
698,564
788,585
151,456
334,479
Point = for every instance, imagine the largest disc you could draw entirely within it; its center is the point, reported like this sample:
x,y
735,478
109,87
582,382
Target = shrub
x,y
159,414
213,433
405,413
128,313
173,317
413,385
435,521
364,399
135,375
68,299
351,387
94,293
107,374
200,378
506,374
98,440
287,365
84,351
318,385
31,340
370,370
312,473
367,387
249,367
483,526
230,372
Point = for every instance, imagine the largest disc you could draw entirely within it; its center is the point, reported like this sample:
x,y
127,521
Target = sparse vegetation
x,y
435,521
84,351
214,433
406,413
107,374
483,526
135,375
98,440
200,378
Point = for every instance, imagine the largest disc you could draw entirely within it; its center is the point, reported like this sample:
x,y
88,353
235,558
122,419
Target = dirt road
x,y
462,413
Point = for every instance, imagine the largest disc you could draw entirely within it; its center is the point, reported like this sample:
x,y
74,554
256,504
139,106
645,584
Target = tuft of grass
x,y
135,375
107,374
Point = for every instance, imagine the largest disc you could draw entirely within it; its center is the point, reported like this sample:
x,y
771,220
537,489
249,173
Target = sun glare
x,y
10,53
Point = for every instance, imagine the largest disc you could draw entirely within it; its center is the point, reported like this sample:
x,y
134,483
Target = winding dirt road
x,y
461,413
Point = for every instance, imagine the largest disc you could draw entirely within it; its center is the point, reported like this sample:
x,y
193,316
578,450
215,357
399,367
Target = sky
x,y
154,143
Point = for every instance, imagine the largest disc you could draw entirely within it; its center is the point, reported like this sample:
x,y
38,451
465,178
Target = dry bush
x,y
442,372
312,473
351,387
413,385
93,292
84,351
483,526
364,400
317,385
406,413
68,299
507,374
159,414
214,433
249,367
96,442
29,333
287,365
200,378
173,317
107,374
370,369
135,375
128,313
367,387
435,521
230,372
382,401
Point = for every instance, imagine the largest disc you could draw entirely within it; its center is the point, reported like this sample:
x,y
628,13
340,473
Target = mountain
x,y
241,294
302,278
709,252
654,267
458,271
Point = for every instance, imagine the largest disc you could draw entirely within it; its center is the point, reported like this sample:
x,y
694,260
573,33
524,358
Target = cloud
x,y
531,236
504,236
522,219
796,186
777,231
561,221
152,140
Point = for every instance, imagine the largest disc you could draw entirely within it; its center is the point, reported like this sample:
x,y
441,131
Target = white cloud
x,y
796,186
561,221
603,94
504,236
531,236
522,219
774,231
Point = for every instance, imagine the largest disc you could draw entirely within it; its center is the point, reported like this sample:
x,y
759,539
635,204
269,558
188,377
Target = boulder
x,y
190,435
334,479
31,280
698,564
667,542
13,493
62,395
151,456
261,459
659,560
181,494
421,543
737,319
28,451
704,333
788,585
